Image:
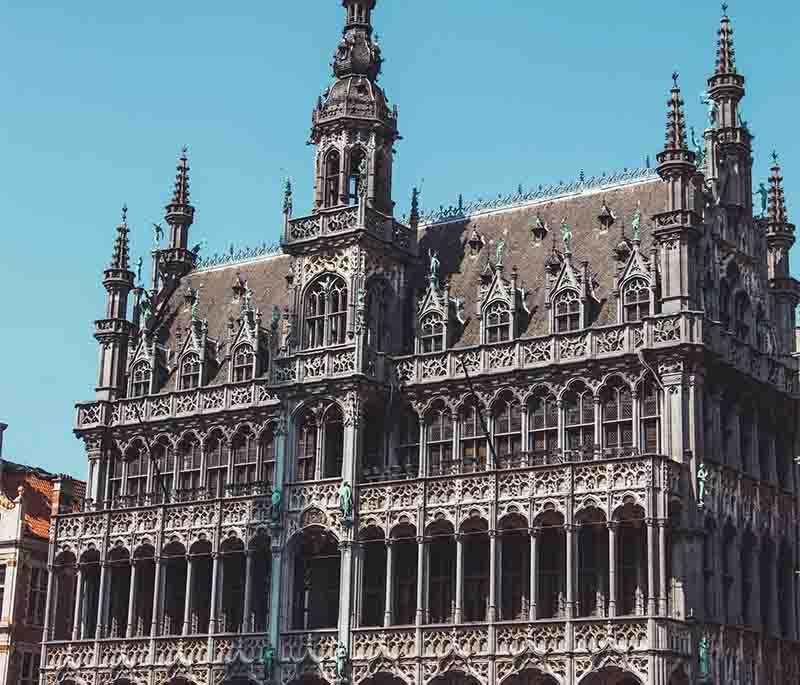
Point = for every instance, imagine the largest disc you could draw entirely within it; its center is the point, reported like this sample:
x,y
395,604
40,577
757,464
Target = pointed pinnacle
x,y
676,121
726,55
119,259
777,201
180,195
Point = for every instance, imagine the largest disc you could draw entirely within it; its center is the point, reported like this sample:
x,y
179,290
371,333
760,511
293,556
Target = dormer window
x,y
331,185
140,379
567,312
326,313
431,333
498,323
243,363
190,371
636,300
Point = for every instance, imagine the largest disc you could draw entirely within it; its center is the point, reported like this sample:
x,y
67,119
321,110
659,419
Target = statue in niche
x,y
763,194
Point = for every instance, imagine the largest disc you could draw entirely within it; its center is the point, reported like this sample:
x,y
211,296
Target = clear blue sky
x,y
97,99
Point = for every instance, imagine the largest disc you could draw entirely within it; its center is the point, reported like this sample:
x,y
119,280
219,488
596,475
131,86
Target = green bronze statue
x,y
500,252
435,266
703,658
566,235
341,662
275,506
346,501
268,659
636,222
702,479
763,193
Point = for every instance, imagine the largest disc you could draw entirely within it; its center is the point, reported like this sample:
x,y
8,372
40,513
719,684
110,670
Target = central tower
x,y
353,127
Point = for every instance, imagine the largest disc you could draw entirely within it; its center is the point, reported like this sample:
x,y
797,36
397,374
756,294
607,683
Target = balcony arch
x,y
232,596
174,568
610,675
529,676
593,567
515,572
89,593
405,566
550,557
325,312
373,586
64,582
119,590
314,579
454,678
441,582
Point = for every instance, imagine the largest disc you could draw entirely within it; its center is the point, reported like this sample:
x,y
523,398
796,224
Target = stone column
x,y
459,612
421,552
663,571
156,595
275,595
570,533
101,602
78,617
212,614
493,559
187,602
345,590
52,579
651,566
612,568
389,597
534,574
248,592
775,614
130,628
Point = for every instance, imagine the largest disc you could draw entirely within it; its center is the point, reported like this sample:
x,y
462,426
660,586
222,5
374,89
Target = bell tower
x,y
353,127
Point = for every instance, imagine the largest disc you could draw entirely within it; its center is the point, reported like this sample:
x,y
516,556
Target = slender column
x,y
651,567
52,579
387,616
101,602
212,618
459,612
76,625
421,551
345,590
156,596
612,568
248,593
570,532
275,595
129,629
534,574
187,602
493,575
663,571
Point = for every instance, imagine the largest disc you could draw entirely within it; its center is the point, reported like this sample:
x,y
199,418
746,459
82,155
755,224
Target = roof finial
x,y
726,55
724,9
675,76
775,157
119,260
125,214
180,195
676,121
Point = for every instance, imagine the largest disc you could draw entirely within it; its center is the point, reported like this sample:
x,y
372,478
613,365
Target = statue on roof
x,y
699,148
199,247
287,197
247,299
145,310
500,252
566,235
713,108
763,193
435,266
158,234
363,179
139,263
636,222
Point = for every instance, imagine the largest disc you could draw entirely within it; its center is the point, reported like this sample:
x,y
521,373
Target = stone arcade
x,y
540,441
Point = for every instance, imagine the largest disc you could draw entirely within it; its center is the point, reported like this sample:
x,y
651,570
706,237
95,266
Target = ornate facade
x,y
543,440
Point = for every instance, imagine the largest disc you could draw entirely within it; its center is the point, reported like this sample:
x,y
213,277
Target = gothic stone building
x,y
543,440
29,497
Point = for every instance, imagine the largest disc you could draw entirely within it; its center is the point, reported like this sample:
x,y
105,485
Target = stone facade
x,y
28,498
544,439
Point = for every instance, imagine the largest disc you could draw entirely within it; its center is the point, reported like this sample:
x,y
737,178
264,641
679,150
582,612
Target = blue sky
x,y
98,98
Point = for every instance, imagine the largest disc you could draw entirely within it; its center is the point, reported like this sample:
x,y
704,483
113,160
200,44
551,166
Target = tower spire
x,y
676,120
119,260
178,259
726,85
777,217
726,55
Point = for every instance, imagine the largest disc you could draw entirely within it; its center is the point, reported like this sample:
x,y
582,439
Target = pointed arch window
x,y
498,322
326,313
579,418
567,311
244,363
507,416
636,300
244,454
333,437
138,466
140,379
216,465
190,371
306,447
543,424
115,473
267,447
331,181
357,156
408,449
473,438
431,333
189,461
617,407
439,435
164,474
650,419
376,316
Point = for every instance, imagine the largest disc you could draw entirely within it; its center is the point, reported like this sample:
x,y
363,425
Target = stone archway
x,y
383,679
454,678
610,675
530,676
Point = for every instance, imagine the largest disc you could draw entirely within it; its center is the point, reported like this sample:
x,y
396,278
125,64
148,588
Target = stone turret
x,y
178,260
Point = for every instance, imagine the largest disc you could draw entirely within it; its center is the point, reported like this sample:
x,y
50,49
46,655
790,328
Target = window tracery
x,y
567,308
439,439
216,464
507,422
244,451
244,361
650,417
472,438
542,423
140,379
189,463
636,300
306,447
138,467
578,418
190,371
357,158
333,443
498,322
164,470
432,331
331,182
326,312
617,412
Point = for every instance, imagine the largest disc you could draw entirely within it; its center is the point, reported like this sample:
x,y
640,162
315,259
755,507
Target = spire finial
x,y
775,157
675,76
125,214
724,9
726,55
676,121
180,195
119,259
776,213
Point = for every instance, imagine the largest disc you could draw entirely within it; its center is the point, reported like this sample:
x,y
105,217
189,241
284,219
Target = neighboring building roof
x,y
38,485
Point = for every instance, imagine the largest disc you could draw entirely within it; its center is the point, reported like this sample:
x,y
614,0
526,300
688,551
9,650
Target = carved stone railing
x,y
341,220
169,405
312,365
659,332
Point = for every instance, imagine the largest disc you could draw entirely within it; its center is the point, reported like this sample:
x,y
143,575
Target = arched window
x,y
244,453
357,157
267,446
216,465
376,316
333,443
473,438
115,473
331,183
431,333
498,322
244,362
190,371
742,316
138,466
650,417
306,447
579,418
326,312
140,379
507,417
636,299
617,405
408,448
567,311
439,436
543,424
164,473
189,461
